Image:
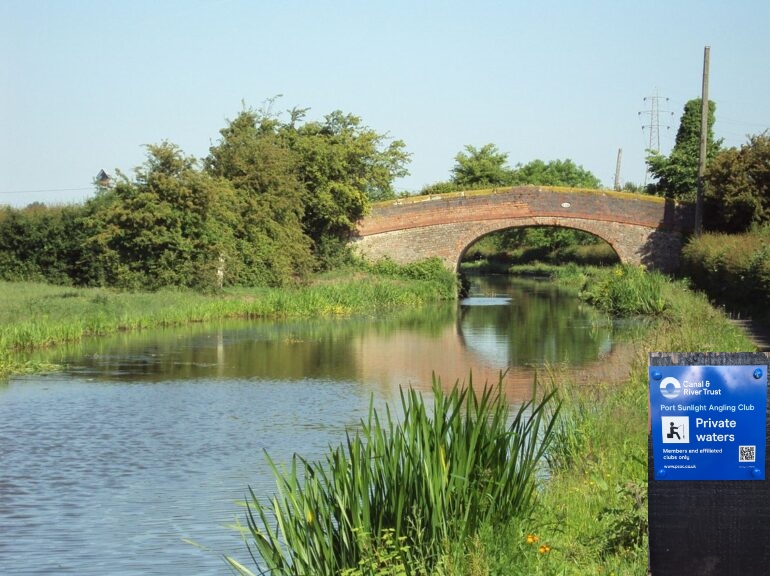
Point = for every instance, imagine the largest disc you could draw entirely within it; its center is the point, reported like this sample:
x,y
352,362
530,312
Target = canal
x,y
133,458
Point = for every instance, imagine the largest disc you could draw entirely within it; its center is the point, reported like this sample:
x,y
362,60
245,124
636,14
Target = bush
x,y
627,291
732,269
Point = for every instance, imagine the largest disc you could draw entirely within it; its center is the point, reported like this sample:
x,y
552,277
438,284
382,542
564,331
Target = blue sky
x,y
85,84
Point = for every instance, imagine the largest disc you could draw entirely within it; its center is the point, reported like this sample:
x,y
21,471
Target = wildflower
x,y
544,549
531,538
309,516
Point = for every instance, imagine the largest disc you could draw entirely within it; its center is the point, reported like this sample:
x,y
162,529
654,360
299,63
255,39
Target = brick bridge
x,y
642,229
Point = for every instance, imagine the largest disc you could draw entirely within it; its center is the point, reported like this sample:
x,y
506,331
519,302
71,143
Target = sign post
x,y
708,496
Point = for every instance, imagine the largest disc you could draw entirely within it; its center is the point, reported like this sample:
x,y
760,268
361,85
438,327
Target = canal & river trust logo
x,y
670,387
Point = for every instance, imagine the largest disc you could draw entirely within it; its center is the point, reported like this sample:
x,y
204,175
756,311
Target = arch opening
x,y
498,250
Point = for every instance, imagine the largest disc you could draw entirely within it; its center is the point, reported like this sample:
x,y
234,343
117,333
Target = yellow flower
x,y
544,549
309,516
531,538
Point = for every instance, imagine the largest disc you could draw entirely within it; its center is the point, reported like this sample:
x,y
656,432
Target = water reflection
x,y
538,325
504,326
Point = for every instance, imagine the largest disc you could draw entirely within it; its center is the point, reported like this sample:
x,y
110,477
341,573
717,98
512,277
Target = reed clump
x,y
627,291
401,492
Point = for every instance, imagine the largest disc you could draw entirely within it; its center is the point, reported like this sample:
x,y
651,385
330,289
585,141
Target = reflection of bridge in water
x,y
409,359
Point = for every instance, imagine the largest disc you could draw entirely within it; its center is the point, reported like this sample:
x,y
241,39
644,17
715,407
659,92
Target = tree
x,y
738,187
343,167
270,200
554,173
485,166
677,174
325,173
158,229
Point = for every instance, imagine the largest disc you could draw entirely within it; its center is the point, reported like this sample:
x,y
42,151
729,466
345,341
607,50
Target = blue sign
x,y
708,422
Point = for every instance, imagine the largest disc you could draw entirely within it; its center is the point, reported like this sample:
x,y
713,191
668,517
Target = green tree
x,y
343,167
156,230
738,187
324,175
677,173
485,166
270,199
554,173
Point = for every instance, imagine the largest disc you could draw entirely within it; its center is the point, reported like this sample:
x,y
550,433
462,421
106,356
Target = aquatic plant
x,y
426,480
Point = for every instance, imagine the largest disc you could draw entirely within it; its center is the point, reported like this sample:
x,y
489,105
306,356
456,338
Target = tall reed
x,y
627,291
427,480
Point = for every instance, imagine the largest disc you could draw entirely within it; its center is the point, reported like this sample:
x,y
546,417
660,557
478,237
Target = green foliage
x,y
269,195
486,166
173,225
483,166
384,556
677,174
444,188
423,480
732,269
738,187
627,291
432,269
554,173
38,243
599,254
625,521
324,173
548,244
549,237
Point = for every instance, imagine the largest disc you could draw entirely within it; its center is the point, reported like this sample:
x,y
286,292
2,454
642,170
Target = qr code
x,y
747,453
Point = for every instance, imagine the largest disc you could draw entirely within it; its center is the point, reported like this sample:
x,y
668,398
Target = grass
x,y
34,315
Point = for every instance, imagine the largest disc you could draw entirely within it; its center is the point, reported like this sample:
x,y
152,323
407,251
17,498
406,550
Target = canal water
x,y
133,459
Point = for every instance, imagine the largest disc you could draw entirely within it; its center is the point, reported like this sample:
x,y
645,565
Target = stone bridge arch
x,y
641,229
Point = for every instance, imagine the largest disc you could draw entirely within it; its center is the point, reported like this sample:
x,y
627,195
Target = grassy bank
x,y
36,315
591,515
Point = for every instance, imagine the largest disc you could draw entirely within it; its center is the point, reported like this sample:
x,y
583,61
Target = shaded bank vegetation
x,y
734,270
509,250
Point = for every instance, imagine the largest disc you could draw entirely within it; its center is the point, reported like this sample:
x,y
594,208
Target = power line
x,y
42,191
